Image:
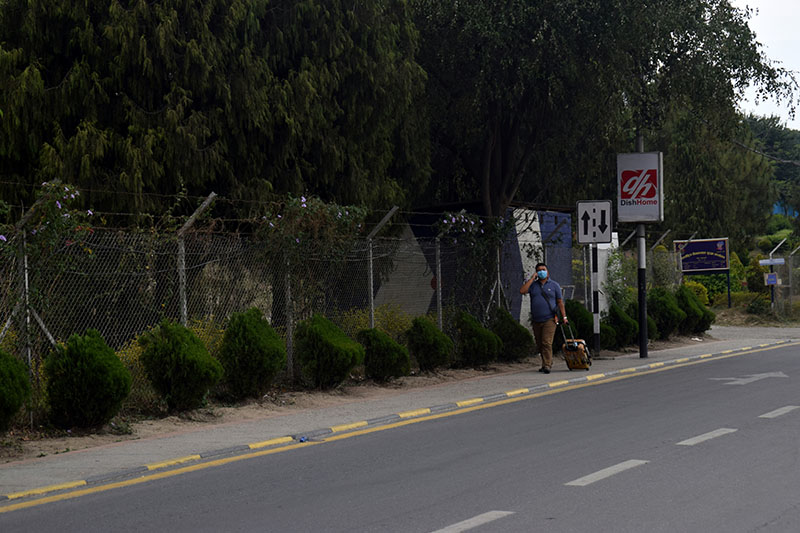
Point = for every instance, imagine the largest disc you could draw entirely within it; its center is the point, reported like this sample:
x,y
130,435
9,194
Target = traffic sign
x,y
772,261
594,222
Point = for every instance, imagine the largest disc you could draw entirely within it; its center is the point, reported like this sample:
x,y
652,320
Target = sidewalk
x,y
104,463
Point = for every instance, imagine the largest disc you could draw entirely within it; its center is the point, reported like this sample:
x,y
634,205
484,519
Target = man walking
x,y
545,297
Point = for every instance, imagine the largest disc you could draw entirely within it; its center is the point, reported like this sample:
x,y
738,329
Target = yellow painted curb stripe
x,y
746,348
345,427
42,490
626,370
517,392
707,355
594,377
416,412
170,462
558,383
655,365
271,442
726,351
472,401
682,360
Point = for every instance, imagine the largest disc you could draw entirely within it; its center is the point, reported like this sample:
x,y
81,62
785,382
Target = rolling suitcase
x,y
576,353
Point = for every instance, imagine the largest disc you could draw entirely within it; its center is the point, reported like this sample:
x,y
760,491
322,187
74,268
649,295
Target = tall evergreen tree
x,y
244,98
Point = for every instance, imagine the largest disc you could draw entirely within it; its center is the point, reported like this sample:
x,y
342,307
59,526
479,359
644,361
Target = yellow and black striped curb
x,y
318,434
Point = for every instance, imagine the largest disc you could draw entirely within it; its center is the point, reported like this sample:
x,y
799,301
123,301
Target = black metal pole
x,y
595,302
642,280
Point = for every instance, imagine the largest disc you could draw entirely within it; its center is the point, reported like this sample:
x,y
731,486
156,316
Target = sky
x,y
776,27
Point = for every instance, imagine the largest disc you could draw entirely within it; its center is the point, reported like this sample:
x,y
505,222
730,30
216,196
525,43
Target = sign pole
x,y
595,302
642,280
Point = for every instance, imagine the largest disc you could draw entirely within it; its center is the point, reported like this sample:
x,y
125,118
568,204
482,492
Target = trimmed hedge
x,y
477,346
517,341
383,358
14,388
626,328
608,337
652,327
431,347
86,382
178,365
251,354
580,318
663,307
325,353
689,304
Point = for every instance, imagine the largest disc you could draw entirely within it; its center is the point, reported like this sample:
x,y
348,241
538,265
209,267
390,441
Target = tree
x,y
782,147
133,100
538,96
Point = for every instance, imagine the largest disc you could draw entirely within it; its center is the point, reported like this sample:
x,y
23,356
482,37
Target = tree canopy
x,y
528,97
129,100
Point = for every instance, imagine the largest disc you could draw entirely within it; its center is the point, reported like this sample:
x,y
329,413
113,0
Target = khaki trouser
x,y
544,333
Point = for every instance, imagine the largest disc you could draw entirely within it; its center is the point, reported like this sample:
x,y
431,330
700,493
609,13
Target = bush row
x,y
681,311
87,383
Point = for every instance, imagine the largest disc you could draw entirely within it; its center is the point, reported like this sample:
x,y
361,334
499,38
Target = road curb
x,y
316,434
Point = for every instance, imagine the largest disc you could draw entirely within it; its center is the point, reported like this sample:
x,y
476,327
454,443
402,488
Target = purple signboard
x,y
703,255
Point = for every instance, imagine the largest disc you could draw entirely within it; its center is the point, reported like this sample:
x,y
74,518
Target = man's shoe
x,y
546,370
542,369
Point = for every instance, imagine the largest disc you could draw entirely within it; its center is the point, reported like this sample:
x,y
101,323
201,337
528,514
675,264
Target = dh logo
x,y
639,184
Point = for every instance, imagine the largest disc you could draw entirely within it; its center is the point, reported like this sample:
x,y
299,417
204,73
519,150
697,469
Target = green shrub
x,y
517,340
383,358
14,388
699,290
429,346
689,304
477,346
608,337
755,276
652,327
86,382
389,318
714,284
580,318
325,353
760,305
251,354
627,329
663,307
143,398
178,365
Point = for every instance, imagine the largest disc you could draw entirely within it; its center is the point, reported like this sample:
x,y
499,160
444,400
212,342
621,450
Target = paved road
x,y
698,447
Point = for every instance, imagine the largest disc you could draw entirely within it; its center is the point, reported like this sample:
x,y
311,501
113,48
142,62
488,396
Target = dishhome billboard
x,y
703,255
640,187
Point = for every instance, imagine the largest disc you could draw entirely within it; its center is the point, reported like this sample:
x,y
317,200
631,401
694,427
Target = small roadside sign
x,y
772,262
771,278
594,222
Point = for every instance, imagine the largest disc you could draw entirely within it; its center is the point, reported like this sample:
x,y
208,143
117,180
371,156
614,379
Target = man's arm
x,y
560,304
526,286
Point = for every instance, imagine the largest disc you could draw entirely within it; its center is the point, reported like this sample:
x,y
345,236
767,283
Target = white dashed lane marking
x,y
474,522
606,472
706,436
778,412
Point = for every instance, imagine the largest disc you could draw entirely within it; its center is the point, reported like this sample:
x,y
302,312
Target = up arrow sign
x,y
594,219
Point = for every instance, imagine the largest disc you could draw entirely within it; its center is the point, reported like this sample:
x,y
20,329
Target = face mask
x,y
542,274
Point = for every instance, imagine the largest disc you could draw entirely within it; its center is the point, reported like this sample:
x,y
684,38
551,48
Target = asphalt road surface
x,y
713,446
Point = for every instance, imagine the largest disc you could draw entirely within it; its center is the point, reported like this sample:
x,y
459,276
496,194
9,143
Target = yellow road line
x,y
42,490
170,462
472,401
345,427
271,442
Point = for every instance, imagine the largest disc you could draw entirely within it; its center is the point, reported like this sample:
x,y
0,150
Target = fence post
x,y
289,322
182,257
439,281
371,287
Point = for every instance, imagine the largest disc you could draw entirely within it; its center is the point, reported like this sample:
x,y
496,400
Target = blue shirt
x,y
543,300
